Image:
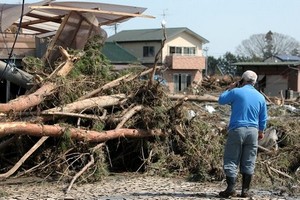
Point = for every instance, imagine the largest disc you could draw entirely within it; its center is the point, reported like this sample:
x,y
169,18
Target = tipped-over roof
x,y
46,16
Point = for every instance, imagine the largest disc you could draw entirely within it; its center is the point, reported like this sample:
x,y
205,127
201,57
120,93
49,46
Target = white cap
x,y
249,76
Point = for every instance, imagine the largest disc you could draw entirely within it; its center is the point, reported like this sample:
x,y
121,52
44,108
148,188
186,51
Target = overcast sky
x,y
225,23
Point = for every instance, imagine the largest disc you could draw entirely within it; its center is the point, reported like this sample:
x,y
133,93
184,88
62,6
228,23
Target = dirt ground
x,y
123,186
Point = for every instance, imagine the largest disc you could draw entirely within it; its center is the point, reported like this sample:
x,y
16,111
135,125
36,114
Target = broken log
x,y
27,101
129,114
39,130
78,106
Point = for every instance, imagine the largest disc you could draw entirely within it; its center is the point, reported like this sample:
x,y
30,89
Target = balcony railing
x,y
185,62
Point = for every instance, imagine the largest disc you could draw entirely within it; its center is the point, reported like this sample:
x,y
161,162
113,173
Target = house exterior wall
x,y
298,81
275,84
183,40
136,49
185,62
293,80
196,76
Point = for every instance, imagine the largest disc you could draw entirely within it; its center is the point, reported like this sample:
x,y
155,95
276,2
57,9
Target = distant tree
x,y
212,63
269,48
261,46
295,52
223,64
226,61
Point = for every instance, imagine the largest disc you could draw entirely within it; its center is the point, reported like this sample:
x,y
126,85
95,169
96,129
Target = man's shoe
x,y
230,191
227,194
246,185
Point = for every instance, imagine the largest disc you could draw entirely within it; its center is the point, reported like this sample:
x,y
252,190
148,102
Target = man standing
x,y
247,123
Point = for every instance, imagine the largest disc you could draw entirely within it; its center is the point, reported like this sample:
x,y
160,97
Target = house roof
x,y
266,64
46,16
151,35
286,58
116,54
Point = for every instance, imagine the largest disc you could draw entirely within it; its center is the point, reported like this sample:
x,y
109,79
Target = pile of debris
x,y
82,121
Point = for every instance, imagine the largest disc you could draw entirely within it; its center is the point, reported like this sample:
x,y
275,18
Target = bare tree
x,y
262,46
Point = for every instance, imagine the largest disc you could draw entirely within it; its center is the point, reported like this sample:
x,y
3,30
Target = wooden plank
x,y
90,10
19,45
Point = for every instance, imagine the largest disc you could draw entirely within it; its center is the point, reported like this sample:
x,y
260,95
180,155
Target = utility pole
x,y
116,28
205,49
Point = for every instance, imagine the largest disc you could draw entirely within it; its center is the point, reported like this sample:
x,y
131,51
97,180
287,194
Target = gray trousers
x,y
240,150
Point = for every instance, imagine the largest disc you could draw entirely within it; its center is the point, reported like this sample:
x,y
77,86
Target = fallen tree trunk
x,y
103,101
208,98
39,130
27,101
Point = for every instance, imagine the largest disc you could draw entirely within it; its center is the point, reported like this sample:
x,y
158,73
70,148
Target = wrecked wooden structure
x,y
38,30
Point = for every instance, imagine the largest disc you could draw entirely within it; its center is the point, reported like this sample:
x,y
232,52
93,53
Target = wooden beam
x,y
54,39
57,19
31,22
90,10
36,29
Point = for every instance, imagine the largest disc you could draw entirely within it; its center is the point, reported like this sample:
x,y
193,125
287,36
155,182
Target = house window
x,y
175,50
148,51
181,82
182,50
189,50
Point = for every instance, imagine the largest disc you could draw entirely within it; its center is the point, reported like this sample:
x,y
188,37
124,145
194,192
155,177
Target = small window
x,y
148,51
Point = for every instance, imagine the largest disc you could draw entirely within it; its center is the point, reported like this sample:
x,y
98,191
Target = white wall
x,y
184,40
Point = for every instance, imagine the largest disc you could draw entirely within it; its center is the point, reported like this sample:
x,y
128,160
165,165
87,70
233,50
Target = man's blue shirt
x,y
248,107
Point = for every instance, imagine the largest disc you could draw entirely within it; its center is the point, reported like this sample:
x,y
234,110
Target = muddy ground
x,y
125,187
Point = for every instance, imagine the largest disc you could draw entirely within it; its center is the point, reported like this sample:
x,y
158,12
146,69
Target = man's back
x,y
248,107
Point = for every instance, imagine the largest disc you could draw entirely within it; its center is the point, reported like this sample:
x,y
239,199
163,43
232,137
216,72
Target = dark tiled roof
x,y
286,58
151,35
116,54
